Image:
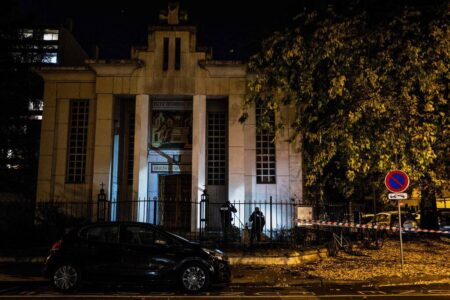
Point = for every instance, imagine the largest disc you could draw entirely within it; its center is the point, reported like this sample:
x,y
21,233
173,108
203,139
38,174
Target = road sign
x,y
396,181
398,196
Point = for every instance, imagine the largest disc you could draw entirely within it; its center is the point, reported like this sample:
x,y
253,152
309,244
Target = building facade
x,y
163,125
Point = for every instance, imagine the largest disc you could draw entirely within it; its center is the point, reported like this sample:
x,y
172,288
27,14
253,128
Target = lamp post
x,y
204,203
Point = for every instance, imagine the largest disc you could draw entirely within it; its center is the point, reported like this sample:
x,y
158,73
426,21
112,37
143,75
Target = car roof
x,y
391,212
110,223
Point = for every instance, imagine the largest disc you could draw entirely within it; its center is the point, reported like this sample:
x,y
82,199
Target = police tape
x,y
366,226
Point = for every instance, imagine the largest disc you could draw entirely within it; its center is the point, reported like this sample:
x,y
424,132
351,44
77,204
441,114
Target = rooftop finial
x,y
173,15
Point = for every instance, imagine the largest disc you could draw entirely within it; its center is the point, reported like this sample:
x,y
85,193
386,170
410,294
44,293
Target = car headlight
x,y
217,254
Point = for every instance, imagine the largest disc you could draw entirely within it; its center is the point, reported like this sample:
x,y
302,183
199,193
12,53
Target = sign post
x,y
397,181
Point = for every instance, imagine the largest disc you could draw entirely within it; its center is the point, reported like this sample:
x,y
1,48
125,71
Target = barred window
x,y
265,150
77,143
216,148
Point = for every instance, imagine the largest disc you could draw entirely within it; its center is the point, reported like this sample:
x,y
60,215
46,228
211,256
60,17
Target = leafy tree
x,y
370,87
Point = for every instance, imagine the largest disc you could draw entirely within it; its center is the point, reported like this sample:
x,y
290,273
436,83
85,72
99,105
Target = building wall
x,y
59,89
198,79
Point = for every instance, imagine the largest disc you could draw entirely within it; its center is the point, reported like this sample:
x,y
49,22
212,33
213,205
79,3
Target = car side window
x,y
144,236
107,234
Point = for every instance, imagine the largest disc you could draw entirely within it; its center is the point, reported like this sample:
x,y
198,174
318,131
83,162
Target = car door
x,y
101,251
147,254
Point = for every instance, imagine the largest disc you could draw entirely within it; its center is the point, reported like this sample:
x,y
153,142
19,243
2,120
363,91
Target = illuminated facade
x,y
162,125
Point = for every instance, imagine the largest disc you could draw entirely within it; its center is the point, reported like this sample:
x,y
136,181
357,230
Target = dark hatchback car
x,y
135,253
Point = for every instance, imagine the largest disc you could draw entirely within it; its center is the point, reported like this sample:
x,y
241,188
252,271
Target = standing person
x,y
258,222
225,216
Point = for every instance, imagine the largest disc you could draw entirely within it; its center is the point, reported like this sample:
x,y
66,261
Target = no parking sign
x,y
396,181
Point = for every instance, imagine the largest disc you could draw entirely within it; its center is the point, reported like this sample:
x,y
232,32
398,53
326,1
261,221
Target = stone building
x,y
162,125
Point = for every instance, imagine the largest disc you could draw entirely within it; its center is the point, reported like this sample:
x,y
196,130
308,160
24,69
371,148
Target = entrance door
x,y
174,209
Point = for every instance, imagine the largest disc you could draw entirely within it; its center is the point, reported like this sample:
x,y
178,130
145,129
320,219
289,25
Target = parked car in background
x,y
444,219
131,252
390,218
367,218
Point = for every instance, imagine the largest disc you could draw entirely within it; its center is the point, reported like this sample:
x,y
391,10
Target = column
x,y
236,165
45,172
140,167
103,144
236,155
198,155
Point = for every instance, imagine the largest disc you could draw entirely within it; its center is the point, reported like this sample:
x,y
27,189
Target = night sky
x,y
234,29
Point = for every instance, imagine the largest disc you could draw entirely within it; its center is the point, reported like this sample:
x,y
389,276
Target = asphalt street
x,y
42,290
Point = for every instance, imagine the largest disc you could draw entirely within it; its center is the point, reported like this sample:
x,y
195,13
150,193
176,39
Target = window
x,y
107,234
216,148
265,150
139,235
50,58
27,33
177,53
166,54
50,35
77,143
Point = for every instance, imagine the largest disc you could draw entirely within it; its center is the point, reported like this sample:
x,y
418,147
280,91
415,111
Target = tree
x,y
370,88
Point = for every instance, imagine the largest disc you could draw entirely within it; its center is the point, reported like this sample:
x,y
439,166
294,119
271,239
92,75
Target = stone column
x,y
140,167
46,161
236,155
103,144
198,155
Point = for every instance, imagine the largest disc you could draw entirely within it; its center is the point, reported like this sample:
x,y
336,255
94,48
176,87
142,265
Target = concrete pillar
x,y
46,162
140,174
236,154
103,144
236,151
198,155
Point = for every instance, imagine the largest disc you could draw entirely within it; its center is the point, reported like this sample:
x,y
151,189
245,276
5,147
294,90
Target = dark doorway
x,y
123,158
175,201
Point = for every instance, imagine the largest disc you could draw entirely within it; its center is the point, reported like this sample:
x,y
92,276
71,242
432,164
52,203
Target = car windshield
x,y
405,217
381,218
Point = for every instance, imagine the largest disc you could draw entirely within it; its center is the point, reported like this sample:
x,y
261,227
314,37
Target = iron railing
x,y
196,220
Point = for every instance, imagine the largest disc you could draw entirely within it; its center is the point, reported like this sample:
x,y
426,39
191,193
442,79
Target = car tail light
x,y
56,245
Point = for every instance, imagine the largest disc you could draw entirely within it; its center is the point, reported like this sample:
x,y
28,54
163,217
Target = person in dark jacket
x,y
258,222
226,211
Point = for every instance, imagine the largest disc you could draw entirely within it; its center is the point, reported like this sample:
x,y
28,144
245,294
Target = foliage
x,y
371,94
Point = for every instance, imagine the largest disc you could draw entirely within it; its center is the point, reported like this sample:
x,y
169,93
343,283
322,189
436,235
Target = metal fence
x,y
202,220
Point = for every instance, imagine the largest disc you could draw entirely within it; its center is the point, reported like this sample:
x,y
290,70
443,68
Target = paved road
x,y
41,290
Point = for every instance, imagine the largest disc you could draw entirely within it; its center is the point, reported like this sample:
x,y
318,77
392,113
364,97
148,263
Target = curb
x,y
22,259
294,258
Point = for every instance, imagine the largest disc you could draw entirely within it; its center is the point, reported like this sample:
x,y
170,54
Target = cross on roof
x,y
173,14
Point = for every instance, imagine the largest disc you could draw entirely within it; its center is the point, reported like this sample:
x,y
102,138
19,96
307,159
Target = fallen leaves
x,y
421,259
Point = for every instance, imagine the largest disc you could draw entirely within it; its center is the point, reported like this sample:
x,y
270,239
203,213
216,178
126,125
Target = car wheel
x,y
66,278
194,278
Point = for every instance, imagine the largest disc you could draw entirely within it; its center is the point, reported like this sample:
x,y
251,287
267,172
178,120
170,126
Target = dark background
x,y
234,29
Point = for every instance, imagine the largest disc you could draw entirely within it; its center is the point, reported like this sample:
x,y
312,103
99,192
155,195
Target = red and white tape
x,y
366,226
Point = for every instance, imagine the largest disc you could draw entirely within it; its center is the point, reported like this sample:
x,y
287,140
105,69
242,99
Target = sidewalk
x,y
426,262
277,276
